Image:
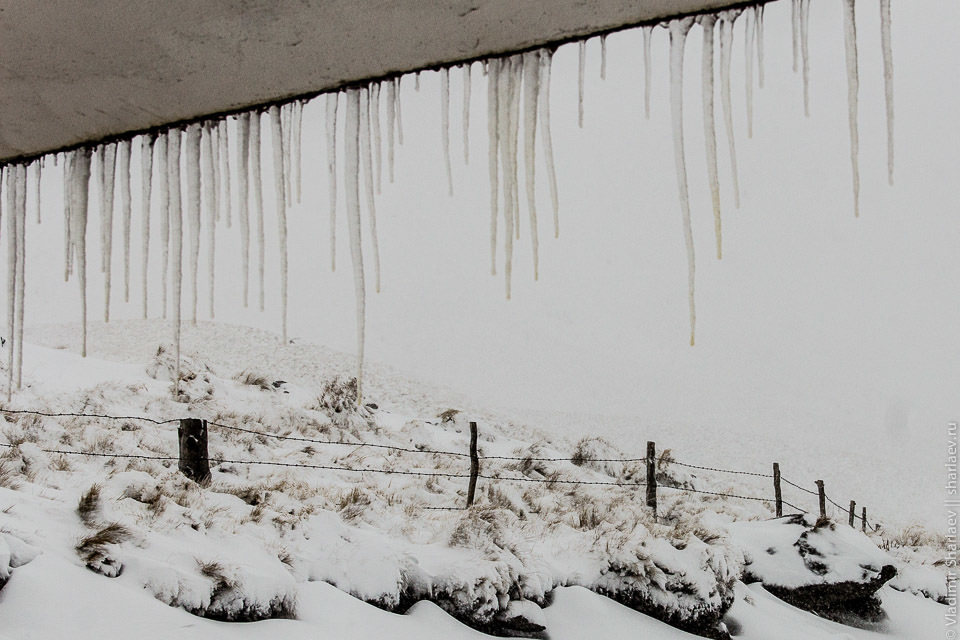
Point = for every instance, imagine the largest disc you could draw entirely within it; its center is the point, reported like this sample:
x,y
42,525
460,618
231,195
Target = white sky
x,y
817,330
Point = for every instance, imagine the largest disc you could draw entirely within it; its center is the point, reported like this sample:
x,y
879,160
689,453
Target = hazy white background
x,y
828,342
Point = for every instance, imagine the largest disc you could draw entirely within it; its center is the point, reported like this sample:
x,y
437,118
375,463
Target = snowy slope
x,y
263,538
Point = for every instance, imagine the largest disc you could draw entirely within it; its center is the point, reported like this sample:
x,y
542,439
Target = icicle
x,y
108,158
351,180
727,19
445,124
367,170
805,53
853,86
546,61
795,32
243,199
209,195
416,81
176,242
580,77
505,100
78,171
603,57
332,99
391,123
35,186
12,281
678,35
516,93
285,118
146,180
256,186
647,70
214,131
163,161
759,25
276,128
375,124
297,152
193,214
749,34
493,150
531,91
21,214
222,135
67,204
885,40
707,22
465,117
126,211
397,108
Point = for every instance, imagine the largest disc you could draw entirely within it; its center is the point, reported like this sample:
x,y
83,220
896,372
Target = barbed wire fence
x,y
192,436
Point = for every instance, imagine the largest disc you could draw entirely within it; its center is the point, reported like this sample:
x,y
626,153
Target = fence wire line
x,y
793,484
86,415
793,506
741,473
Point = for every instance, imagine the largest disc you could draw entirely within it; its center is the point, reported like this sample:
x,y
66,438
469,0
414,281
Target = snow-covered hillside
x,y
289,525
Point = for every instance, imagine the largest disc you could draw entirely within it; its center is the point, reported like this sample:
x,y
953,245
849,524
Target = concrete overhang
x,y
80,71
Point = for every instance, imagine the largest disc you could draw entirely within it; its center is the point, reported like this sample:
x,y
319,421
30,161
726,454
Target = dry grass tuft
x,y
94,549
88,508
254,379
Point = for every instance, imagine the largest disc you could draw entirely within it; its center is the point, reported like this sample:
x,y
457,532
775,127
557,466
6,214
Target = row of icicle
x,y
518,94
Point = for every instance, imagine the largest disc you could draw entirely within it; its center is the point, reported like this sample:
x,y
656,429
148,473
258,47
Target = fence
x,y
194,462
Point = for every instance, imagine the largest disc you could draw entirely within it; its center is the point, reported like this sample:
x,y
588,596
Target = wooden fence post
x,y
652,477
823,499
853,511
863,519
776,489
474,464
194,464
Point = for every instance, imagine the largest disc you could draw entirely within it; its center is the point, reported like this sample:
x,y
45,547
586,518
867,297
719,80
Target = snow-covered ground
x,y
300,541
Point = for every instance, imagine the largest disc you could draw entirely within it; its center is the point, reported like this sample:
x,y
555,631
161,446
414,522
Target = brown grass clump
x,y
88,508
95,549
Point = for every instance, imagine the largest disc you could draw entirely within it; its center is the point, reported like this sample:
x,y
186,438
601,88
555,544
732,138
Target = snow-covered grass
x,y
251,544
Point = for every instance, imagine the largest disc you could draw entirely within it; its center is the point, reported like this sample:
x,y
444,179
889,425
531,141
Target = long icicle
x,y
375,130
126,210
647,69
209,195
286,113
465,114
760,48
493,150
146,182
391,124
707,22
581,69
727,19
603,57
398,108
853,87
795,32
516,95
224,153
214,130
444,124
276,128
505,95
805,53
546,62
750,32
885,41
163,161
531,93
352,184
367,170
331,122
21,213
193,215
67,217
678,34
35,186
78,169
256,187
243,200
108,167
176,244
12,264
297,151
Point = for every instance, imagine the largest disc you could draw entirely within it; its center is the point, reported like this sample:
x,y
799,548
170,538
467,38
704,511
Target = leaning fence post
x,y
474,464
853,511
652,477
823,499
194,464
776,489
863,524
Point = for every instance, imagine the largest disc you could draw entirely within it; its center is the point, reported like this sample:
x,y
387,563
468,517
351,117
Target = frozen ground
x,y
267,540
